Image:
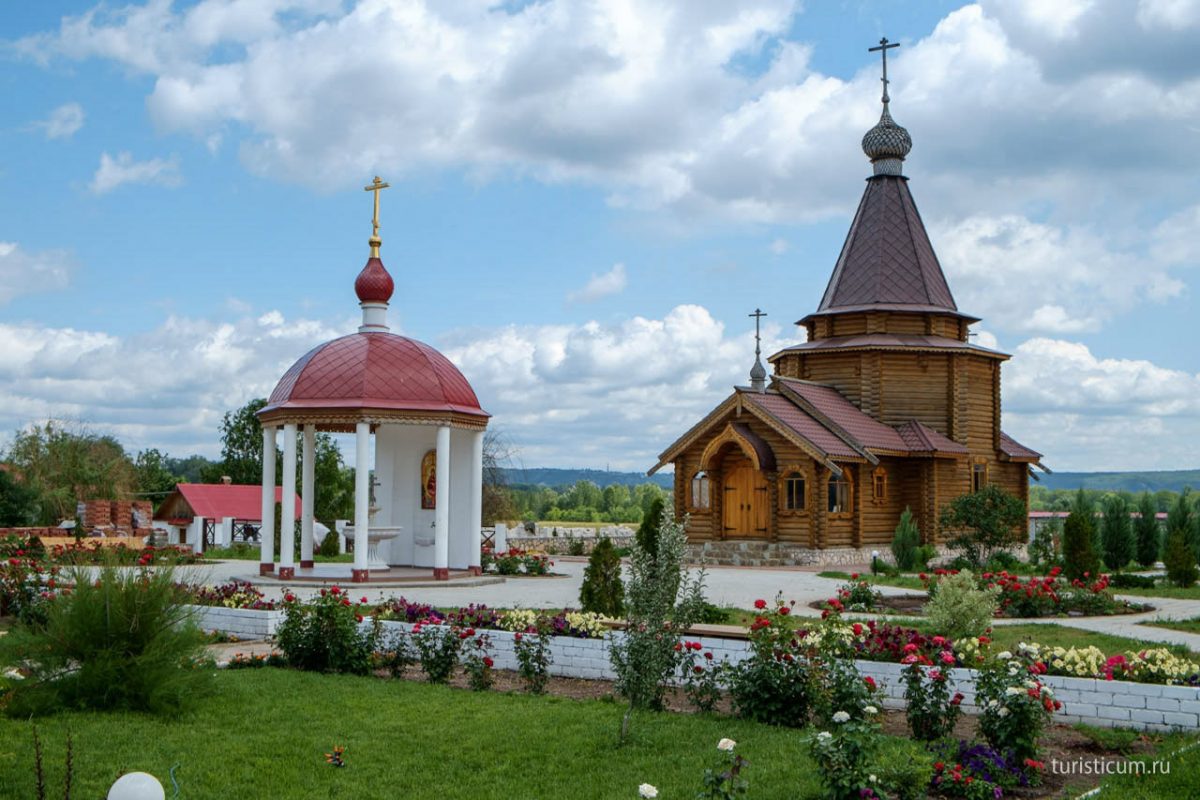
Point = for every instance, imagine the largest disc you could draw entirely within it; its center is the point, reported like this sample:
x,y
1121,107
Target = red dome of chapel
x,y
374,371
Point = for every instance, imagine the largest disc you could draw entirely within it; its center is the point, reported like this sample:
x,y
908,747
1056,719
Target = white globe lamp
x,y
137,786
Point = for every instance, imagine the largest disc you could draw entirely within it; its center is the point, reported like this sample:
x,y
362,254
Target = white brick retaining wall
x,y
244,622
1109,704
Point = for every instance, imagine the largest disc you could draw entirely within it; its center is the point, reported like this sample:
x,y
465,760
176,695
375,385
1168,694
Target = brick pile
x,y
97,514
122,514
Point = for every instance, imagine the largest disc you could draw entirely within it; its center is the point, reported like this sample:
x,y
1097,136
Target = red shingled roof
x,y
220,500
802,423
887,257
922,439
866,431
1014,449
375,370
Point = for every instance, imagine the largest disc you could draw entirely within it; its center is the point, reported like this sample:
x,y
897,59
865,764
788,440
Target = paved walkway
x,y
724,586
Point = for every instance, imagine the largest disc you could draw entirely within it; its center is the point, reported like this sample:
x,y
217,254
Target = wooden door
x,y
746,511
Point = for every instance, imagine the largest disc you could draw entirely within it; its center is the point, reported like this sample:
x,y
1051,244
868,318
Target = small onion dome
x,y
374,284
886,145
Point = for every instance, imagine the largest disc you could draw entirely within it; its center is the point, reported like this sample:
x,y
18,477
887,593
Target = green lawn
x,y
264,733
1185,625
1174,592
902,581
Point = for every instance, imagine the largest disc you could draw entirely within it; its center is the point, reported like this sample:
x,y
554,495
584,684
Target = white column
x,y
476,519
441,513
266,534
287,523
308,471
362,498
226,531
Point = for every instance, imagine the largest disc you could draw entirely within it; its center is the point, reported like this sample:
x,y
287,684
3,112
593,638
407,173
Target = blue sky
x,y
586,201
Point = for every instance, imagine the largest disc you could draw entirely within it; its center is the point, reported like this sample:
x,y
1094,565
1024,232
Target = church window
x,y
879,485
839,494
793,492
979,476
701,494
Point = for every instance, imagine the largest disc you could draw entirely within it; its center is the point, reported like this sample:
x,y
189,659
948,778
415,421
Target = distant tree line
x,y
1043,499
584,501
49,467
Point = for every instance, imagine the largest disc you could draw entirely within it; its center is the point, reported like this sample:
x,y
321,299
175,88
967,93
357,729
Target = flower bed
x,y
234,594
515,561
1049,595
562,623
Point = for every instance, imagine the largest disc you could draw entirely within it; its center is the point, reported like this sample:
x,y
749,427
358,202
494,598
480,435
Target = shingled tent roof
x,y
887,262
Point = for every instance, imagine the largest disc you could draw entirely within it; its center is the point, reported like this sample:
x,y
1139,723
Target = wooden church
x,y
887,405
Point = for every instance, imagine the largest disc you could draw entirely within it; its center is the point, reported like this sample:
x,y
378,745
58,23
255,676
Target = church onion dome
x,y
887,144
374,284
378,371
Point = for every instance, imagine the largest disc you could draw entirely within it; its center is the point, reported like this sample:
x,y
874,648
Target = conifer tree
x,y
602,591
1182,518
1116,532
1148,538
906,543
1079,553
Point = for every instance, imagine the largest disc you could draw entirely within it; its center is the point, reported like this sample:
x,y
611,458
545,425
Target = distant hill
x,y
1173,480
545,476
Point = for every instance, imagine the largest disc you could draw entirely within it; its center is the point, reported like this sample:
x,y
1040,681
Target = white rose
x,y
824,736
13,675
1004,655
646,790
872,778
841,717
726,745
871,710
1003,712
1012,691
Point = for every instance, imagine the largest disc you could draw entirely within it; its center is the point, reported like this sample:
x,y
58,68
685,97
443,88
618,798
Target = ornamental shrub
x,y
1015,705
329,545
983,522
647,533
1080,558
932,707
325,635
602,591
961,609
1179,560
662,600
1116,533
438,647
906,543
123,639
1044,548
533,657
703,676
778,683
1147,533
477,660
845,754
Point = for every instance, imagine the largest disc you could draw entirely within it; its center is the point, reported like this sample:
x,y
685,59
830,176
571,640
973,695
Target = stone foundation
x,y
758,553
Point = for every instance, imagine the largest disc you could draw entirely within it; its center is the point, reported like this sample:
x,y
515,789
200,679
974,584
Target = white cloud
x,y
780,246
1034,277
608,283
165,388
1091,413
114,172
1173,14
23,272
63,122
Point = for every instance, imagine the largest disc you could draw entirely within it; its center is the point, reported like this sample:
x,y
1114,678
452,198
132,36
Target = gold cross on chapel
x,y
376,186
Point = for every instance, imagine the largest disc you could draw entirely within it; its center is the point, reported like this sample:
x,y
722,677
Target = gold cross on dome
x,y
376,186
884,46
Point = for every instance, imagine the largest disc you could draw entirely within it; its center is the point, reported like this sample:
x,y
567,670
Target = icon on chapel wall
x,y
429,480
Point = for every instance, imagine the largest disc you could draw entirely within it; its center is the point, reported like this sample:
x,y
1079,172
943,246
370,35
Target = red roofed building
x,y
888,404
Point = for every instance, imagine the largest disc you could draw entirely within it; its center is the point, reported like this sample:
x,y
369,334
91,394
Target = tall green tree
x,y
1080,557
1147,531
1181,518
241,461
155,480
19,504
67,464
1116,532
980,523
